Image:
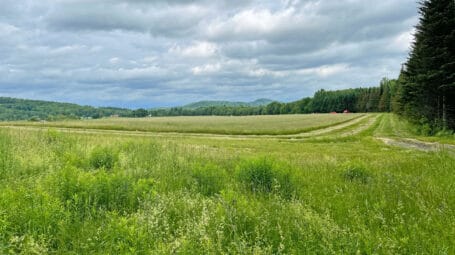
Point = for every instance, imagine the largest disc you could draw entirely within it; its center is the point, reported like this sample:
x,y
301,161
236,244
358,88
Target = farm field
x,y
263,124
289,184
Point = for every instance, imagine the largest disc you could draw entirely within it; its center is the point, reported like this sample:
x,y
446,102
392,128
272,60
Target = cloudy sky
x,y
139,53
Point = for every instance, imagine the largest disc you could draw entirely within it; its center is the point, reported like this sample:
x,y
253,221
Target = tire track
x,y
313,133
409,143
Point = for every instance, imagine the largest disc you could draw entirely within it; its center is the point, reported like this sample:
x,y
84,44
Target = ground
x,y
304,184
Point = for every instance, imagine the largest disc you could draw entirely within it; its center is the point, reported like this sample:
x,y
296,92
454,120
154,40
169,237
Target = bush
x,y
444,133
354,173
84,192
103,157
265,176
210,179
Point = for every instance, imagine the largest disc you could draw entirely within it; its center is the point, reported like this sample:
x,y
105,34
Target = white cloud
x,y
206,69
403,41
6,29
197,50
254,23
114,60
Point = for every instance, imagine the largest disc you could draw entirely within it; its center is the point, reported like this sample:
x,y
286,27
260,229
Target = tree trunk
x,y
444,113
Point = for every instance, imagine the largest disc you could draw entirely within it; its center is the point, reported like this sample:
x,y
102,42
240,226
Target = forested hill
x,y
375,99
259,102
22,109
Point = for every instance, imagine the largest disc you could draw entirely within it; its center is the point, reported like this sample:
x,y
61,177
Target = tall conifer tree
x,y
428,79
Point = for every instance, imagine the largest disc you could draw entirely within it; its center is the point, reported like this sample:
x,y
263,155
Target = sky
x,y
139,53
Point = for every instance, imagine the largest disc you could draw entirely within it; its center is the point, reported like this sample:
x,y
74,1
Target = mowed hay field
x,y
263,124
336,189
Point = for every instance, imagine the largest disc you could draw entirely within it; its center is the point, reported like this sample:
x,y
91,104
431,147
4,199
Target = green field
x,y
263,124
294,184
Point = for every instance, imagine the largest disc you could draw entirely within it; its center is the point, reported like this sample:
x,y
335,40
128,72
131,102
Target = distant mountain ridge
x,y
214,103
23,109
27,109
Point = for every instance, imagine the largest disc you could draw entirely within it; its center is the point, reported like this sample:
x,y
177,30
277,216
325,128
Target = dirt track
x,y
308,134
409,143
364,123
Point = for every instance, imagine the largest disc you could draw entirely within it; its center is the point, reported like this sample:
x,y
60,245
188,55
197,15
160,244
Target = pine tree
x,y
384,101
428,79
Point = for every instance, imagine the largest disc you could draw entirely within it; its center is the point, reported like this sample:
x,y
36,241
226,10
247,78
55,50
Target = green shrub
x,y
26,245
210,179
445,133
27,210
83,192
103,157
355,173
265,176
52,136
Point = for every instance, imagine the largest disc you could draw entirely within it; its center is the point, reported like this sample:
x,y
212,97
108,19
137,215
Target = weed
x,y
103,157
6,154
356,173
210,179
264,176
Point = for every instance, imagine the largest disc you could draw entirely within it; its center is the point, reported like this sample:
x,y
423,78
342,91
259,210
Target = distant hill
x,y
259,102
24,109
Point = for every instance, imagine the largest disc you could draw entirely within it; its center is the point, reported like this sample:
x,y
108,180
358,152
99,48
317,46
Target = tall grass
x,y
67,193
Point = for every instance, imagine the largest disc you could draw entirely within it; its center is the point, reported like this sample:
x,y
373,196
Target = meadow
x,y
249,125
310,184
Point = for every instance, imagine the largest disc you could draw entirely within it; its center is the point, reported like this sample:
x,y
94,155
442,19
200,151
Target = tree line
x,y
23,109
373,99
426,85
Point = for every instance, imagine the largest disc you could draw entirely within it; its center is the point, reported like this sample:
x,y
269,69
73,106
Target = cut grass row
x,y
247,125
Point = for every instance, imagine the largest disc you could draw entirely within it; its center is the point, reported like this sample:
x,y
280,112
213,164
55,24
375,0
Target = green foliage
x,y
210,179
27,215
140,113
33,110
427,81
205,104
356,173
103,157
263,176
215,194
257,175
375,99
26,245
6,154
82,192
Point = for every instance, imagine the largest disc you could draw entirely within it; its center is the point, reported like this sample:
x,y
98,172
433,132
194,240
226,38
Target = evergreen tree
x,y
428,79
384,101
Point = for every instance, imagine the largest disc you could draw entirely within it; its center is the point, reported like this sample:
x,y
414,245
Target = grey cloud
x,y
166,20
143,53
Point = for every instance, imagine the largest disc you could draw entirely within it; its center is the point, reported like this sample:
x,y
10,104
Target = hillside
x,y
22,109
213,103
25,109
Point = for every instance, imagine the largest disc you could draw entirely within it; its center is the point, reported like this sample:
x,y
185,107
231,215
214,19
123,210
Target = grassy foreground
x,y
337,192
